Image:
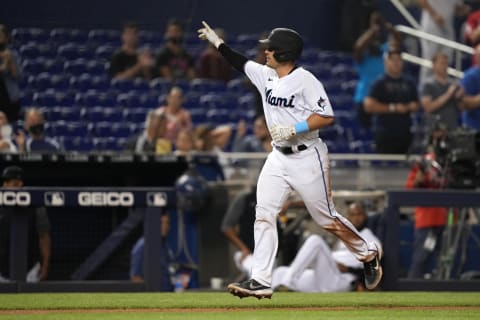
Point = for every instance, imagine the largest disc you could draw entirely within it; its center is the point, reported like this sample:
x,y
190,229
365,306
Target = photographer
x,y
429,221
9,75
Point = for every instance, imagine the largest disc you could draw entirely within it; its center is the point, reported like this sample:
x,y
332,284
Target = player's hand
x,y
281,133
207,33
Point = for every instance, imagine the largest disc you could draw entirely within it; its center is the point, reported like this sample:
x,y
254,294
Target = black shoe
x,y
373,270
250,288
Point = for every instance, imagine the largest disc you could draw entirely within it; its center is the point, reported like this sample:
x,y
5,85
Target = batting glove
x,y
281,133
207,33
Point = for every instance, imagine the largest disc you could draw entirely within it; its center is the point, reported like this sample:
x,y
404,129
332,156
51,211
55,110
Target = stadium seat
x,y
45,81
102,114
33,66
220,116
72,51
198,115
69,114
93,98
248,40
134,100
107,129
54,98
238,85
122,85
98,37
151,37
109,144
105,52
136,116
97,67
69,129
207,85
87,82
35,51
75,67
24,35
160,85
78,144
65,35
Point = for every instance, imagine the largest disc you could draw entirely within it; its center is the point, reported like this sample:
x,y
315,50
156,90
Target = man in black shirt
x,y
173,61
392,99
129,62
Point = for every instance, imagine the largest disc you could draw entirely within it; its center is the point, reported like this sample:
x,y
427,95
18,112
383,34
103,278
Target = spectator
x,y
177,117
391,99
184,142
471,32
441,97
429,221
152,140
318,268
36,141
438,19
368,55
38,224
129,62
6,143
10,73
173,61
471,99
137,257
211,139
260,141
212,65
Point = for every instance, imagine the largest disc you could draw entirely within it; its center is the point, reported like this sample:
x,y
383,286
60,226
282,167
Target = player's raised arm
x,y
236,59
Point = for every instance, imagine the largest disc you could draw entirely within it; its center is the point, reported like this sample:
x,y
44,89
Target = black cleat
x,y
250,288
373,270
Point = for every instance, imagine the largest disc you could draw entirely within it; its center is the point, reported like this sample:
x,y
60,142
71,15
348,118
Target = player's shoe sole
x,y
250,288
373,270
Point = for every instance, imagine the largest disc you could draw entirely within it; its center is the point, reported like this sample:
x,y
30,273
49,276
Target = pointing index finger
x,y
205,25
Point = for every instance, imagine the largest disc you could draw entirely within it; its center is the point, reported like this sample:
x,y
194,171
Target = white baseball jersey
x,y
290,99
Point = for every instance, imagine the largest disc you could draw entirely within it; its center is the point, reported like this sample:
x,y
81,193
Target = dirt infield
x,y
219,310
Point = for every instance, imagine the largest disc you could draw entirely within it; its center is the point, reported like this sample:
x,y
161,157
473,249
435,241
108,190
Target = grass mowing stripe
x,y
224,300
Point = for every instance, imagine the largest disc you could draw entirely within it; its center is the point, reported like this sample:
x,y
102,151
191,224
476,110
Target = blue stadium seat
x,y
54,66
160,85
360,146
69,114
45,81
93,98
87,82
104,36
309,56
109,144
238,85
134,100
72,51
198,115
247,102
220,116
207,85
152,37
122,85
33,66
105,52
75,67
26,98
65,35
35,51
24,35
136,116
102,114
97,67
107,129
247,40
70,129
54,98
78,144
191,100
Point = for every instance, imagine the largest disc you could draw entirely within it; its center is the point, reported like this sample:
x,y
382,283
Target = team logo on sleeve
x,y
322,103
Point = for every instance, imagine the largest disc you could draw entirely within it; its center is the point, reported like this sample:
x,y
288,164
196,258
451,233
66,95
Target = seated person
x,y
6,143
137,257
152,140
36,141
318,268
177,116
129,62
260,141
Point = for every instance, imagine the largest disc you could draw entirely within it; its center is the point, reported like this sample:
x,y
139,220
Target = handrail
x,y
428,63
404,12
430,37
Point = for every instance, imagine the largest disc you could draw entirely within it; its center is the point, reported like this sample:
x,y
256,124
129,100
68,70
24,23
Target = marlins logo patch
x,y
321,103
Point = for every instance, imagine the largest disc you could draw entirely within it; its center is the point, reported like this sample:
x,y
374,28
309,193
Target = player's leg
x,y
310,177
272,191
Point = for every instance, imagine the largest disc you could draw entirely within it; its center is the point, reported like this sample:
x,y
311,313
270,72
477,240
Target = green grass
x,y
367,305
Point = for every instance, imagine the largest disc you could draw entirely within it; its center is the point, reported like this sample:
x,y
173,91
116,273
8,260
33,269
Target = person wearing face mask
x,y
173,61
6,143
36,141
10,73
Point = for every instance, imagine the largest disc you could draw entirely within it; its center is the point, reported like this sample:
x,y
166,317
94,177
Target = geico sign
x,y
110,199
11,198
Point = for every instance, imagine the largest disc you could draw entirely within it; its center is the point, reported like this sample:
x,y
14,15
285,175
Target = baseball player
x,y
296,107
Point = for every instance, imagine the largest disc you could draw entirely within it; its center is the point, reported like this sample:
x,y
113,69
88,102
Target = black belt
x,y
291,150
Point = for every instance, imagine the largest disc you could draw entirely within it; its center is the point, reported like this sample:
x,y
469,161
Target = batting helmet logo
x,y
286,43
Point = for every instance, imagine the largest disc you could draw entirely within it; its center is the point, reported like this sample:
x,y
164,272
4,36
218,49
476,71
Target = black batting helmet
x,y
286,43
